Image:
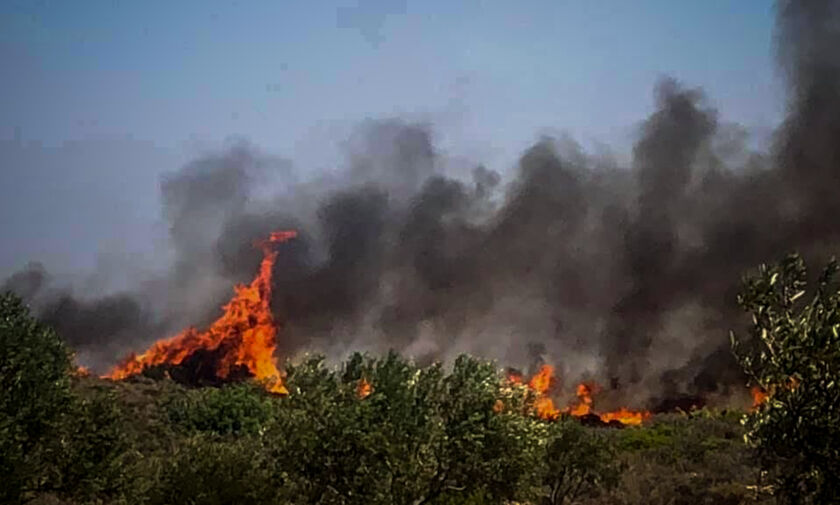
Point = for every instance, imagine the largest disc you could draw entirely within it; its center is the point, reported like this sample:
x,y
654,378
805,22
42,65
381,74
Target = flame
x,y
514,376
545,409
626,416
363,388
543,381
82,371
584,393
246,331
759,396
540,383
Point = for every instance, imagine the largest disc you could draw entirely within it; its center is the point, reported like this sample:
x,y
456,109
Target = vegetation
x,y
793,354
383,430
35,385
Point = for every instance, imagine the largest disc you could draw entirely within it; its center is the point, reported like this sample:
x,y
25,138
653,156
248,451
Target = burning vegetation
x,y
543,384
241,342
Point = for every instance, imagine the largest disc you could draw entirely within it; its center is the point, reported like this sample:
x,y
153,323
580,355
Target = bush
x,y
35,385
417,436
578,462
793,353
234,409
91,456
208,470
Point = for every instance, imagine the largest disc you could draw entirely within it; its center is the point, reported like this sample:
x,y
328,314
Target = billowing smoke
x,y
622,274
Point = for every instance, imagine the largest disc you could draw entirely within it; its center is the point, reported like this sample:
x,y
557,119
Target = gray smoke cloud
x,y
622,274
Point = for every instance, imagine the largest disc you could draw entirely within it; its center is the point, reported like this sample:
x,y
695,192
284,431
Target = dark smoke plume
x,y
626,275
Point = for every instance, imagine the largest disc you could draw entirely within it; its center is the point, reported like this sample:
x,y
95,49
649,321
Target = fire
x,y
245,333
540,383
759,396
543,381
584,393
514,376
545,408
363,388
626,416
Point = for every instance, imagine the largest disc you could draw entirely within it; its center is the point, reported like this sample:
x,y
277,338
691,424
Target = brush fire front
x,y
543,384
241,344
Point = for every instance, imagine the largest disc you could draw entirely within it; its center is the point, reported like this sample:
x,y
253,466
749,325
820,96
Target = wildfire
x,y
540,383
543,381
363,388
584,393
515,376
626,416
244,334
759,396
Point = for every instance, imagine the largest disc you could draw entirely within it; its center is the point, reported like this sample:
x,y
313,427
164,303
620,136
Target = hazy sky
x,y
98,98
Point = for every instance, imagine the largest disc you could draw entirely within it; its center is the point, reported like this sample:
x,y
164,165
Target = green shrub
x,y
35,386
793,352
420,436
234,409
91,457
207,470
578,462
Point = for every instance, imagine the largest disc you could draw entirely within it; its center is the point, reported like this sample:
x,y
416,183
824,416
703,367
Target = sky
x,y
98,99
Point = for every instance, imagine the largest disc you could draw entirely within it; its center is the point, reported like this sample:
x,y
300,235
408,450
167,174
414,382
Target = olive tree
x,y
35,385
793,353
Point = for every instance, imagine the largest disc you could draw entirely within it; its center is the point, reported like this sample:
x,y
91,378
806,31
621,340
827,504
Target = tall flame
x,y
540,383
245,332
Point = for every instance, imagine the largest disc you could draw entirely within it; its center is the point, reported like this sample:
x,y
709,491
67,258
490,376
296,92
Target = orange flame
x,y
363,388
584,393
545,408
514,377
543,381
246,331
626,416
759,396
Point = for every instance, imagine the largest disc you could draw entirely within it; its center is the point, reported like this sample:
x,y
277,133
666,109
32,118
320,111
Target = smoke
x,y
622,274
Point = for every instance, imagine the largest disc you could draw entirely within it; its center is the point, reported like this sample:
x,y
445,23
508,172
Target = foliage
x,y
235,409
794,354
679,439
579,461
374,430
35,385
207,470
420,436
92,450
689,459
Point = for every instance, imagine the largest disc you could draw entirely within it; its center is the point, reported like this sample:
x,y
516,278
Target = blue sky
x,y
118,92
